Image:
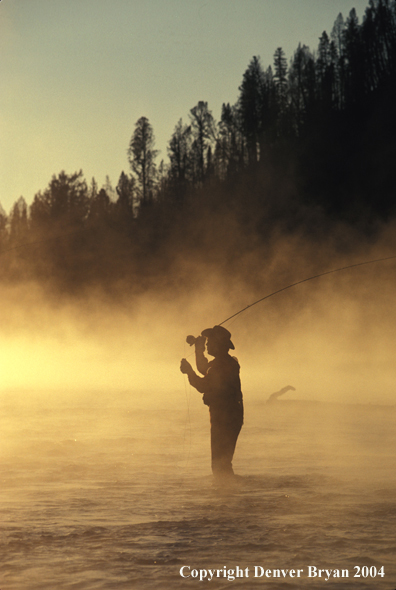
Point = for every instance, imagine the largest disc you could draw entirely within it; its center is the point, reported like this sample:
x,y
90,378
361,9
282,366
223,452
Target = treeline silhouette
x,y
308,144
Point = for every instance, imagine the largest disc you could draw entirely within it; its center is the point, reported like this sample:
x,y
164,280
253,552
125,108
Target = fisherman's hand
x,y
185,366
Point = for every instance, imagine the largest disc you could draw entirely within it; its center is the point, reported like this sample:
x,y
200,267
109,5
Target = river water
x,y
116,495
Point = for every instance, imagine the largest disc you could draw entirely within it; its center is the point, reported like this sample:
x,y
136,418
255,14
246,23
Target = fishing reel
x,y
199,341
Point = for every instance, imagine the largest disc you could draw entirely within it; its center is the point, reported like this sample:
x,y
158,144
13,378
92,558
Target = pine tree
x,y
141,155
204,134
250,107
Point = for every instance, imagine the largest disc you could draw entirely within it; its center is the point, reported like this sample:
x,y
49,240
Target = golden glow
x,y
332,339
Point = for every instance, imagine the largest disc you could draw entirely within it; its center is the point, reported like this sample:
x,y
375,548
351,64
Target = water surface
x,y
110,496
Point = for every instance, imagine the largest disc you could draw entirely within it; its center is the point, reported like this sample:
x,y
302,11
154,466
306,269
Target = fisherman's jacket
x,y
221,386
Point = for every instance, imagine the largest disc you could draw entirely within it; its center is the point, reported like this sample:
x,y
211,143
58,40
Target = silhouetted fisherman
x,y
221,387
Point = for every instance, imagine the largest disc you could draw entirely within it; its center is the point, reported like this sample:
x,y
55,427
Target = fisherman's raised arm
x,y
200,359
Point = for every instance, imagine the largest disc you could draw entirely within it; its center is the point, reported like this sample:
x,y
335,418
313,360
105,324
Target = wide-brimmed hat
x,y
220,334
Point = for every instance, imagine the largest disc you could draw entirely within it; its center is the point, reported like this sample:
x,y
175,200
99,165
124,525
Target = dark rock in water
x,y
274,396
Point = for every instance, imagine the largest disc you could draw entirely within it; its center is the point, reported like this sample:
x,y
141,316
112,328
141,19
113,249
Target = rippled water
x,y
109,497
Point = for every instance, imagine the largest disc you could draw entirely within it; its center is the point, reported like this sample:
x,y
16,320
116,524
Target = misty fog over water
x,y
120,495
105,452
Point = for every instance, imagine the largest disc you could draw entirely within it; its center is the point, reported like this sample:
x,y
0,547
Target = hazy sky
x,y
77,74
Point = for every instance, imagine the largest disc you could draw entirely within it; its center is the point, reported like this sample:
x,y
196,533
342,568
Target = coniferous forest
x,y
309,146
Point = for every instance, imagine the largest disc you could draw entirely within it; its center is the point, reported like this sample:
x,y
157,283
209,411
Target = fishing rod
x,y
328,272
